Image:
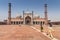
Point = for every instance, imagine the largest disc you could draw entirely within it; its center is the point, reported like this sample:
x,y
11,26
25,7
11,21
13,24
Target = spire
x,y
9,13
32,11
23,11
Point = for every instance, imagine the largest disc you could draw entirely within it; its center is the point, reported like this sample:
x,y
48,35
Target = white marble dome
x,y
27,12
18,16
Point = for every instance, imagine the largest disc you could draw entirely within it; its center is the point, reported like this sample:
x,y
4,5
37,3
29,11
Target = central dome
x,y
27,12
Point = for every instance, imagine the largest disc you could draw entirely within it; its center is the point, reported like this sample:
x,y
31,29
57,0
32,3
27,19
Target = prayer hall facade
x,y
28,17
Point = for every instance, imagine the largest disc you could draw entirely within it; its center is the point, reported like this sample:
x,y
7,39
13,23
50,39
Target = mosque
x,y
28,17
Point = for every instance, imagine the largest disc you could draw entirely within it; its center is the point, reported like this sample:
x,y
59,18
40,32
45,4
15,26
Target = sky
x,y
31,5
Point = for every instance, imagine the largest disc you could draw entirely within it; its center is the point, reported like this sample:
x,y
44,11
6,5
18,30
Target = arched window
x,y
14,22
11,22
36,22
19,22
22,22
33,22
43,22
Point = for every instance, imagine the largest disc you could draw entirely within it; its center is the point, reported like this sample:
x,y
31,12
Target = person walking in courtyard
x,y
41,27
50,30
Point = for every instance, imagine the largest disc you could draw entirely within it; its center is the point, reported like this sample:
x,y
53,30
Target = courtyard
x,y
25,32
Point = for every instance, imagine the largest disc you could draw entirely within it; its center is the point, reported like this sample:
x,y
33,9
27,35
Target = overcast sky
x,y
36,5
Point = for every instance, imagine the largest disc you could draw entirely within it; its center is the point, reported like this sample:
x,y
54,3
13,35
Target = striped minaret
x,y
46,16
9,13
23,18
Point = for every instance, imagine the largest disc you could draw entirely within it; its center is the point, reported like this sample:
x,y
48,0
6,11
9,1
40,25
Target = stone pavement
x,y
20,32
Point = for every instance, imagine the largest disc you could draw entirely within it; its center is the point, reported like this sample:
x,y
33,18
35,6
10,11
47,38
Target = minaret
x,y
32,17
46,16
32,13
9,13
23,17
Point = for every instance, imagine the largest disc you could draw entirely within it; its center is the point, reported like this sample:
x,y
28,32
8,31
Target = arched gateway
x,y
27,20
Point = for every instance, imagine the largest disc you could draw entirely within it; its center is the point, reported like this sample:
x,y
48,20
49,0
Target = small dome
x,y
18,16
27,12
36,16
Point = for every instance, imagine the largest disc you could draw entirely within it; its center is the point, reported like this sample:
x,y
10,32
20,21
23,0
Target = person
x,y
50,24
41,27
50,30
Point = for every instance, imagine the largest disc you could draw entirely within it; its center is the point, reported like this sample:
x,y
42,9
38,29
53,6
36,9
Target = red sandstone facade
x,y
27,18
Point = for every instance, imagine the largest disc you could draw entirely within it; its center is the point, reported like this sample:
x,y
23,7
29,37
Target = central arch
x,y
28,20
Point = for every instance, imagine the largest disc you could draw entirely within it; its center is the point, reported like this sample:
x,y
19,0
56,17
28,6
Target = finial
x,y
9,1
27,9
23,11
32,11
45,1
